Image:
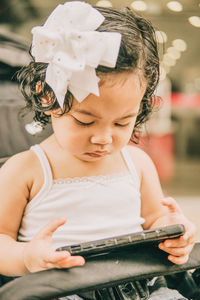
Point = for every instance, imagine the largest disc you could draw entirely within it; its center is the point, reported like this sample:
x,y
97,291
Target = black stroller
x,y
119,276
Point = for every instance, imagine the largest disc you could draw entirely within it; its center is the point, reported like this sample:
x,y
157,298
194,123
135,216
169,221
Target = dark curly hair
x,y
138,50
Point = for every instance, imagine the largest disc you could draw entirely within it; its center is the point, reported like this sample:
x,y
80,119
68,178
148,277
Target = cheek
x,y
129,131
124,136
66,133
76,138
130,128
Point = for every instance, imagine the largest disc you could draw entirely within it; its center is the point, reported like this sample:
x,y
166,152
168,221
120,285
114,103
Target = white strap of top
x,y
47,170
130,165
44,163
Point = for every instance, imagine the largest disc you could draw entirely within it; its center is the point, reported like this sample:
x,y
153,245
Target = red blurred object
x,y
183,100
161,150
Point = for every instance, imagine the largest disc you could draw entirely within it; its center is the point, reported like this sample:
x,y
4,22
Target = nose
x,y
101,138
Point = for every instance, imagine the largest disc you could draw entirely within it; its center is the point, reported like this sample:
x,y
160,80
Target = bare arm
x,y
17,258
151,191
11,261
159,211
14,193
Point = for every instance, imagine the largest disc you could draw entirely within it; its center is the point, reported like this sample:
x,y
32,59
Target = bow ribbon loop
x,y
73,49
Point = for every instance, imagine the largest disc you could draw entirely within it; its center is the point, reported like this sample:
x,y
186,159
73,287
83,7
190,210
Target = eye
x,y
82,123
121,125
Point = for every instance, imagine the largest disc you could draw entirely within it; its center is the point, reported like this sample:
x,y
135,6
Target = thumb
x,y
51,227
172,205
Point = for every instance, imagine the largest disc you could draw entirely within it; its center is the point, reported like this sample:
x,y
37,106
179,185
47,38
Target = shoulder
x,y
24,173
19,162
142,161
135,151
20,168
16,181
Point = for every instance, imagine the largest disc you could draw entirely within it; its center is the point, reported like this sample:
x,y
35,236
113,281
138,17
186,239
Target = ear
x,y
48,112
38,87
44,99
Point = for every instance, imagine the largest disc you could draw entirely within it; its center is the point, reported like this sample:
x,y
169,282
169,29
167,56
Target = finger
x,y
178,260
56,256
172,205
179,242
190,232
181,251
188,237
69,262
72,261
49,229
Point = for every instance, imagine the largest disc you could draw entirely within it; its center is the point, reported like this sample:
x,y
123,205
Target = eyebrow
x,y
85,112
88,113
128,116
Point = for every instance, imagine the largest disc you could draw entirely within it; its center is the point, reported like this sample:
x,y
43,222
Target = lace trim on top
x,y
98,178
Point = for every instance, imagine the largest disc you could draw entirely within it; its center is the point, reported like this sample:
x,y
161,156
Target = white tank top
x,y
96,206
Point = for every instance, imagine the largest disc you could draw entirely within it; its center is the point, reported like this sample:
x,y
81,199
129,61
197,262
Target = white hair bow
x,y
73,49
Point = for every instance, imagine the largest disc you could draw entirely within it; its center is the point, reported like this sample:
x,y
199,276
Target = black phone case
x,y
125,241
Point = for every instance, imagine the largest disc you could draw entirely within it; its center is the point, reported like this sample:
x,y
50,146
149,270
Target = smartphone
x,y
116,243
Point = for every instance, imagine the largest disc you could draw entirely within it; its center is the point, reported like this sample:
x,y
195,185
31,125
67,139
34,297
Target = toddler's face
x,y
100,126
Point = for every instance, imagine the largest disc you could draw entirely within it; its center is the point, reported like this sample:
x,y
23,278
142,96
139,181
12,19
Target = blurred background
x,y
172,137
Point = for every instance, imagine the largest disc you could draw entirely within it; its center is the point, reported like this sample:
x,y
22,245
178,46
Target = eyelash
x,y
121,125
84,124
90,123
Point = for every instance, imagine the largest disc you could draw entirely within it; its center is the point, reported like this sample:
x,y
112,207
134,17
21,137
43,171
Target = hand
x,y
39,255
180,248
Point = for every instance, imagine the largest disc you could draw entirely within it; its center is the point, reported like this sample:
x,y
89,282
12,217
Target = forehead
x,y
119,79
119,93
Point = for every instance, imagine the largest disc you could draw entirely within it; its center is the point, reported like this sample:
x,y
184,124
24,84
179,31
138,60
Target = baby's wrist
x,y
26,257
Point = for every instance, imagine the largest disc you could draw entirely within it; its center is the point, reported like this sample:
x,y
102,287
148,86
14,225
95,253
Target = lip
x,y
97,153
